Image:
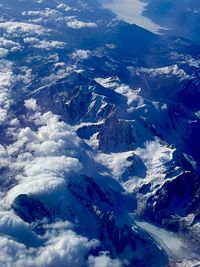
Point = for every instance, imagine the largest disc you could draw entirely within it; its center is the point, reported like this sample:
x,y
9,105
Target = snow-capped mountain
x,y
99,139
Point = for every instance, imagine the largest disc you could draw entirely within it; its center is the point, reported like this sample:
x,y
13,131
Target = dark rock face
x,y
126,241
179,159
69,97
175,199
115,135
196,219
30,209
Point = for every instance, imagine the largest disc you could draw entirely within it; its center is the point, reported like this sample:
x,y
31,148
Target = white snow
x,y
115,162
155,155
169,70
176,248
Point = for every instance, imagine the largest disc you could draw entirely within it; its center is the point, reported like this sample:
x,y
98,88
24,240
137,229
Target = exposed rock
x,y
115,135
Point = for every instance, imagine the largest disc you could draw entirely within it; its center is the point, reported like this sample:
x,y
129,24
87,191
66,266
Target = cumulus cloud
x,y
31,104
63,6
9,44
4,158
43,159
45,16
46,13
15,228
3,52
43,44
6,80
67,249
77,24
81,54
103,260
14,27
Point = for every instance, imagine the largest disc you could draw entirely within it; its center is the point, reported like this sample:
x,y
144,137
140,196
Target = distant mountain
x,y
181,17
99,137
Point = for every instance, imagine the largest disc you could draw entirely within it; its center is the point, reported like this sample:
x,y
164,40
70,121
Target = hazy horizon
x,y
131,11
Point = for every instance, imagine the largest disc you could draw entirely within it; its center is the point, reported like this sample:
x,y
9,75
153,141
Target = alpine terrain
x,y
99,139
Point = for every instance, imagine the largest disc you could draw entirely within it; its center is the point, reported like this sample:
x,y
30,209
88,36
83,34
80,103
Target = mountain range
x,y
99,139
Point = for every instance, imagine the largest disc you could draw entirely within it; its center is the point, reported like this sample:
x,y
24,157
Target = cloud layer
x,y
42,160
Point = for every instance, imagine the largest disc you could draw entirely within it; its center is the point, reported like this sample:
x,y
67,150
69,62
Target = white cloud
x,y
31,40
25,75
45,16
14,27
43,44
117,163
4,157
45,158
82,54
31,104
42,160
3,52
9,44
58,226
103,261
13,226
67,249
6,80
64,7
46,13
77,24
